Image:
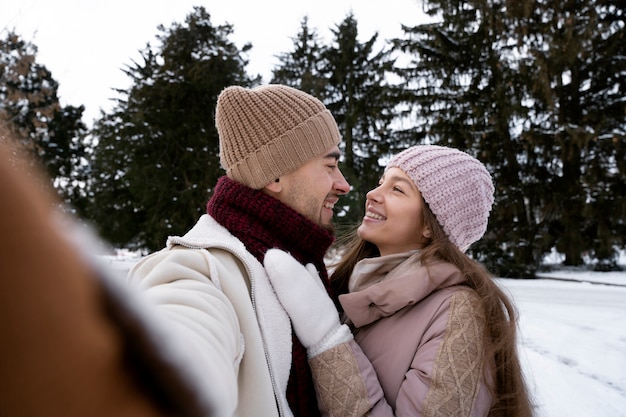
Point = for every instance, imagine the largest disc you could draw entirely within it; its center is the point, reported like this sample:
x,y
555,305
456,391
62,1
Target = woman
x,y
439,333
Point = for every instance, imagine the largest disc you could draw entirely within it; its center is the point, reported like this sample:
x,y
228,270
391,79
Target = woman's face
x,y
393,215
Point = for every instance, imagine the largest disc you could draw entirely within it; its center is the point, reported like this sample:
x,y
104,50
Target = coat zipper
x,y
252,299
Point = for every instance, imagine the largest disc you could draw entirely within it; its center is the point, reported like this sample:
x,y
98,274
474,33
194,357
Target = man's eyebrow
x,y
334,155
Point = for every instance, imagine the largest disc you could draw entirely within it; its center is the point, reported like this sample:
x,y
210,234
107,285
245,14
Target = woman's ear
x,y
427,233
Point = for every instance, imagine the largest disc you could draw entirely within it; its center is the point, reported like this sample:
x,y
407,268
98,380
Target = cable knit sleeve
x,y
447,380
346,383
445,377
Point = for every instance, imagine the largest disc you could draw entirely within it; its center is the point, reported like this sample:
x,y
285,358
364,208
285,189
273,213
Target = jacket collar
x,y
379,287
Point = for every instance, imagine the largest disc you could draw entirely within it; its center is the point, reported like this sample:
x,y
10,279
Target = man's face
x,y
314,188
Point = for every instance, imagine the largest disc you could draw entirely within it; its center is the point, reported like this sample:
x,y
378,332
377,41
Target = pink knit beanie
x,y
269,131
456,186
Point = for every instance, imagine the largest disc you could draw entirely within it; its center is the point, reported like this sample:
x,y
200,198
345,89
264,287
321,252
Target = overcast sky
x,y
85,44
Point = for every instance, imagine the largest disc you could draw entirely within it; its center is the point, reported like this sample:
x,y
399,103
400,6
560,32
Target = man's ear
x,y
274,187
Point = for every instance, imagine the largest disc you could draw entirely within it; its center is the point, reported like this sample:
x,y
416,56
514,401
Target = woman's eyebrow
x,y
398,178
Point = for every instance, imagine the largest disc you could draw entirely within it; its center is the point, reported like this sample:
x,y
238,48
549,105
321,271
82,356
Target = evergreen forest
x,y
536,90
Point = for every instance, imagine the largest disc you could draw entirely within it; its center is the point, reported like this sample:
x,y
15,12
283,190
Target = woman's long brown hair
x,y
511,396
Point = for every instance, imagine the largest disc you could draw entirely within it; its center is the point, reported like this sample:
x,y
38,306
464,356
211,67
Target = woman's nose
x,y
373,195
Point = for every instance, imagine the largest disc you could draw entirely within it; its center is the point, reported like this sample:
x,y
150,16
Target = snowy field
x,y
572,342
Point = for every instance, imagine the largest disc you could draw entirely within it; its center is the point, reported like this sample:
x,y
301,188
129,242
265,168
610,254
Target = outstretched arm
x,y
69,344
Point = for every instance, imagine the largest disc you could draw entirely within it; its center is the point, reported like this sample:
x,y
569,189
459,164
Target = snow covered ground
x,y
572,339
573,343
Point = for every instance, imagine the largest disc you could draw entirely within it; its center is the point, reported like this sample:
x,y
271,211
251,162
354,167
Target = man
x,y
279,147
75,342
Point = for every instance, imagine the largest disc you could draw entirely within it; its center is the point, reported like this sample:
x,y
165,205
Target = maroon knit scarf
x,y
262,222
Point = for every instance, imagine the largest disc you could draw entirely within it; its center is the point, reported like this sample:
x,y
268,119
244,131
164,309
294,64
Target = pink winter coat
x,y
422,329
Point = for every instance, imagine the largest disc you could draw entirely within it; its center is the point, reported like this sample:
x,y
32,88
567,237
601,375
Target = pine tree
x,y
577,78
302,67
501,80
351,79
464,93
157,154
51,135
363,101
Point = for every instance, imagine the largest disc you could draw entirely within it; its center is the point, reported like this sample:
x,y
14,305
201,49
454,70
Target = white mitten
x,y
302,294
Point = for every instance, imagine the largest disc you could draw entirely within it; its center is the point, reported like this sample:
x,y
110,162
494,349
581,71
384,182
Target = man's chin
x,y
329,227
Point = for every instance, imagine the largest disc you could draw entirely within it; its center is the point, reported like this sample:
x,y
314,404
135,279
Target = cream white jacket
x,y
206,302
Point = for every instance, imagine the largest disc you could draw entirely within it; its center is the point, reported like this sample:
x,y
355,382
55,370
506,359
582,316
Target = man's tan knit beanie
x,y
269,131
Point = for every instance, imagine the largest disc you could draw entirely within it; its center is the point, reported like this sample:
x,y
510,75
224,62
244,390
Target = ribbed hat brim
x,y
287,152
